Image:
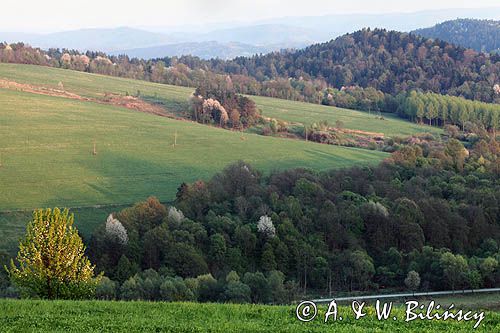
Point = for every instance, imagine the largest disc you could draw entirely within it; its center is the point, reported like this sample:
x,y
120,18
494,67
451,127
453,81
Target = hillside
x,y
47,145
480,35
386,60
307,113
175,99
124,171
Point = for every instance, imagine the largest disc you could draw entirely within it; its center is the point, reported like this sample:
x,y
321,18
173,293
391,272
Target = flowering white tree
x,y
265,226
212,108
496,89
378,208
66,58
116,230
175,215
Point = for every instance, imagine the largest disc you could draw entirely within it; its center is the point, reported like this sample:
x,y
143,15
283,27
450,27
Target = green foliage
x,y
454,268
51,262
445,109
106,289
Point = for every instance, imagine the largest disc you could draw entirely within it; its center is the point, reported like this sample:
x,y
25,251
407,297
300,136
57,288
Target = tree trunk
x,y
49,289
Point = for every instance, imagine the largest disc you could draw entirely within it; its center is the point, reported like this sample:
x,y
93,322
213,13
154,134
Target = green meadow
x,y
176,99
47,158
105,316
306,113
47,153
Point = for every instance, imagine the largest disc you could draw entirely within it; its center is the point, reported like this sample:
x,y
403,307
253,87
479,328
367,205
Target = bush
x,y
106,289
237,292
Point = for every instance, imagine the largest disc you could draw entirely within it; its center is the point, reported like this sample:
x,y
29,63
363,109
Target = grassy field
x,y
176,99
47,159
306,113
98,316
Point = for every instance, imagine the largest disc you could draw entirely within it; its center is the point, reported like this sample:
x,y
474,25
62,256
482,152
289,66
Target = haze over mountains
x,y
228,40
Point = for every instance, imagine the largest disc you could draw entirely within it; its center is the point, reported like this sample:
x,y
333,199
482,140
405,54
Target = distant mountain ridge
x,y
92,39
204,50
237,38
480,35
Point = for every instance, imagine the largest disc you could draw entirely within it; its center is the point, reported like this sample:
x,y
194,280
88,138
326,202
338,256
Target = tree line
x,y
438,109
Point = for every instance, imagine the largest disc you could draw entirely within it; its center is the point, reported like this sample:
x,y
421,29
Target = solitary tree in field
x,y
51,262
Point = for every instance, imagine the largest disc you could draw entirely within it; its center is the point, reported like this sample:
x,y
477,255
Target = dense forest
x,y
480,35
388,61
430,213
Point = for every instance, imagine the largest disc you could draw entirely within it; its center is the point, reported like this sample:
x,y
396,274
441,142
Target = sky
x,y
57,15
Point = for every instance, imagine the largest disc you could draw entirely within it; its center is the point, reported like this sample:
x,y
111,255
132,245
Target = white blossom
x,y
378,208
496,89
265,226
175,215
66,58
116,230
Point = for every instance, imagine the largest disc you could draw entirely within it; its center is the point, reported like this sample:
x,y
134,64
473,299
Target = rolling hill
x,y
47,147
47,144
389,61
480,35
175,99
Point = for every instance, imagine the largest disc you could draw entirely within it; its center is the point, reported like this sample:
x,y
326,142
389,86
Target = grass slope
x,y
176,99
306,113
47,158
99,316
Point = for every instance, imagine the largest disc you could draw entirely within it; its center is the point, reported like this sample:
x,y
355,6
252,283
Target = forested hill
x,y
480,35
389,61
386,60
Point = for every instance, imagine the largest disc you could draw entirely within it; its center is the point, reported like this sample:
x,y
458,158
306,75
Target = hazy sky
x,y
54,15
